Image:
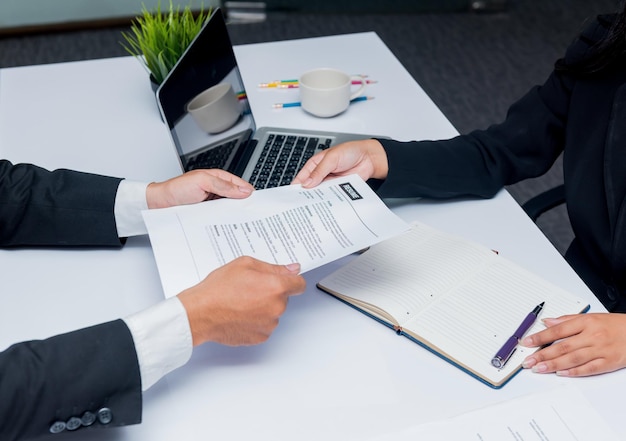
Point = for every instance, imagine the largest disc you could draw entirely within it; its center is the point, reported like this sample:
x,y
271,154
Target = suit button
x,y
105,416
73,423
88,418
57,427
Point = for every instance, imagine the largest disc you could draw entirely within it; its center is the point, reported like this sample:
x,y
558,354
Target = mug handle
x,y
361,89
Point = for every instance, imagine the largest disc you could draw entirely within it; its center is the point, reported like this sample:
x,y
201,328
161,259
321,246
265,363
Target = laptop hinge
x,y
245,12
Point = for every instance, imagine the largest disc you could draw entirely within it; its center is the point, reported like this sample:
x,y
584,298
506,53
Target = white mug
x,y
215,109
327,92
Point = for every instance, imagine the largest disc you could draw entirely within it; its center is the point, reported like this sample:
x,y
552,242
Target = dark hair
x,y
606,52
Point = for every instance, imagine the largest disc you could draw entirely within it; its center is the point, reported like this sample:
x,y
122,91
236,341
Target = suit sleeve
x,y
77,381
56,208
524,145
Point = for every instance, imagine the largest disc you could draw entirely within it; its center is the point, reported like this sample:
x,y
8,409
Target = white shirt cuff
x,y
162,339
130,200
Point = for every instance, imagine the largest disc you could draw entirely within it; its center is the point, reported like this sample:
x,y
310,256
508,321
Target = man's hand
x,y
240,303
584,344
196,186
366,158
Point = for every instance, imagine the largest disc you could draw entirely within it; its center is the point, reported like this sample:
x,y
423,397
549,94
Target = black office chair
x,y
545,201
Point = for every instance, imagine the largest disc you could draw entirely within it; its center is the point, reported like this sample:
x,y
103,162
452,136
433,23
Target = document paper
x,y
559,414
278,225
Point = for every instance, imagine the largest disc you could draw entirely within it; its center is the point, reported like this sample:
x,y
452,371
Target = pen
x,y
505,352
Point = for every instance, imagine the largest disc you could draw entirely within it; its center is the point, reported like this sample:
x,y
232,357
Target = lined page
x,y
405,274
471,323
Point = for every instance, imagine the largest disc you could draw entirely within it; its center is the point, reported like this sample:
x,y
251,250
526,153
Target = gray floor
x,y
473,65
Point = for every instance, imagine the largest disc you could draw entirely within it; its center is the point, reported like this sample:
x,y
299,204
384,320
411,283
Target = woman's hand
x,y
582,345
366,158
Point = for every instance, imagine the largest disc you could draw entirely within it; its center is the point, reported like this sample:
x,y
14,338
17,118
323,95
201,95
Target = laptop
x,y
265,156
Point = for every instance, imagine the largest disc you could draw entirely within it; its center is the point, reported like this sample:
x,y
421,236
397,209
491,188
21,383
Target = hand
x,y
240,302
196,186
589,344
366,158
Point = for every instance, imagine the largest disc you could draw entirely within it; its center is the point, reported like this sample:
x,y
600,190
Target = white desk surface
x,y
327,372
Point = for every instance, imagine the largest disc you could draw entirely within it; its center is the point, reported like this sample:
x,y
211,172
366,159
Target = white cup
x,y
327,92
215,109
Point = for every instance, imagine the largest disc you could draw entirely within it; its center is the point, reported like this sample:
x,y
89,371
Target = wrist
x,y
199,326
378,158
154,198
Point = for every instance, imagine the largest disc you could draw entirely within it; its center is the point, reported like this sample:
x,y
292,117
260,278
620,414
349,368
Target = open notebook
x,y
456,298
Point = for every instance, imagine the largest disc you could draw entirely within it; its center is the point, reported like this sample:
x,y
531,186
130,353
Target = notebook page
x,y
405,274
473,322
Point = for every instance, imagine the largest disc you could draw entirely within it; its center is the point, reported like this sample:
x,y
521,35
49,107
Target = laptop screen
x,y
209,60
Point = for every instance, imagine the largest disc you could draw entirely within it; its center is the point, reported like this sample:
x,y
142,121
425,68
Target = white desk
x,y
328,372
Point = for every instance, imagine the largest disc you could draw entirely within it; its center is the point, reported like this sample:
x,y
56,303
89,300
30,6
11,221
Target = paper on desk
x,y
279,225
559,414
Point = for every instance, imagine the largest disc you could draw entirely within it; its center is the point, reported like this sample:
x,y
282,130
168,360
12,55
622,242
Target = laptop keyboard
x,y
282,157
213,158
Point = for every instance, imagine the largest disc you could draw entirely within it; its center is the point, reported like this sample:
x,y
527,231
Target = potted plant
x,y
158,38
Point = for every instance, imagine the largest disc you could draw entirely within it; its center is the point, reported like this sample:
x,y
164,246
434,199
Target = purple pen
x,y
510,346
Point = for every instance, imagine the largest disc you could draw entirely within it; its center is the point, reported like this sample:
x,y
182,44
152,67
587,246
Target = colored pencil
x,y
277,83
289,84
298,104
296,85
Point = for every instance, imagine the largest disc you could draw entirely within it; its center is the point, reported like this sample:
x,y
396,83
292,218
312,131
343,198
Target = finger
x,y
594,367
293,268
227,186
326,167
260,265
584,361
295,282
551,321
554,332
304,175
227,176
289,273
569,352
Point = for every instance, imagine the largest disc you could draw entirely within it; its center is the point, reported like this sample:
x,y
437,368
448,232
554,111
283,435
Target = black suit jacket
x,y
585,117
87,378
60,208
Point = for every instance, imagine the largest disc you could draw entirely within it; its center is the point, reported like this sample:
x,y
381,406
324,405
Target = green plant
x,y
159,38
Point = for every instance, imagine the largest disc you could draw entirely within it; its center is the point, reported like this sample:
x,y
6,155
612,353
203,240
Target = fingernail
x,y
307,182
526,341
293,267
564,373
246,190
528,363
540,368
